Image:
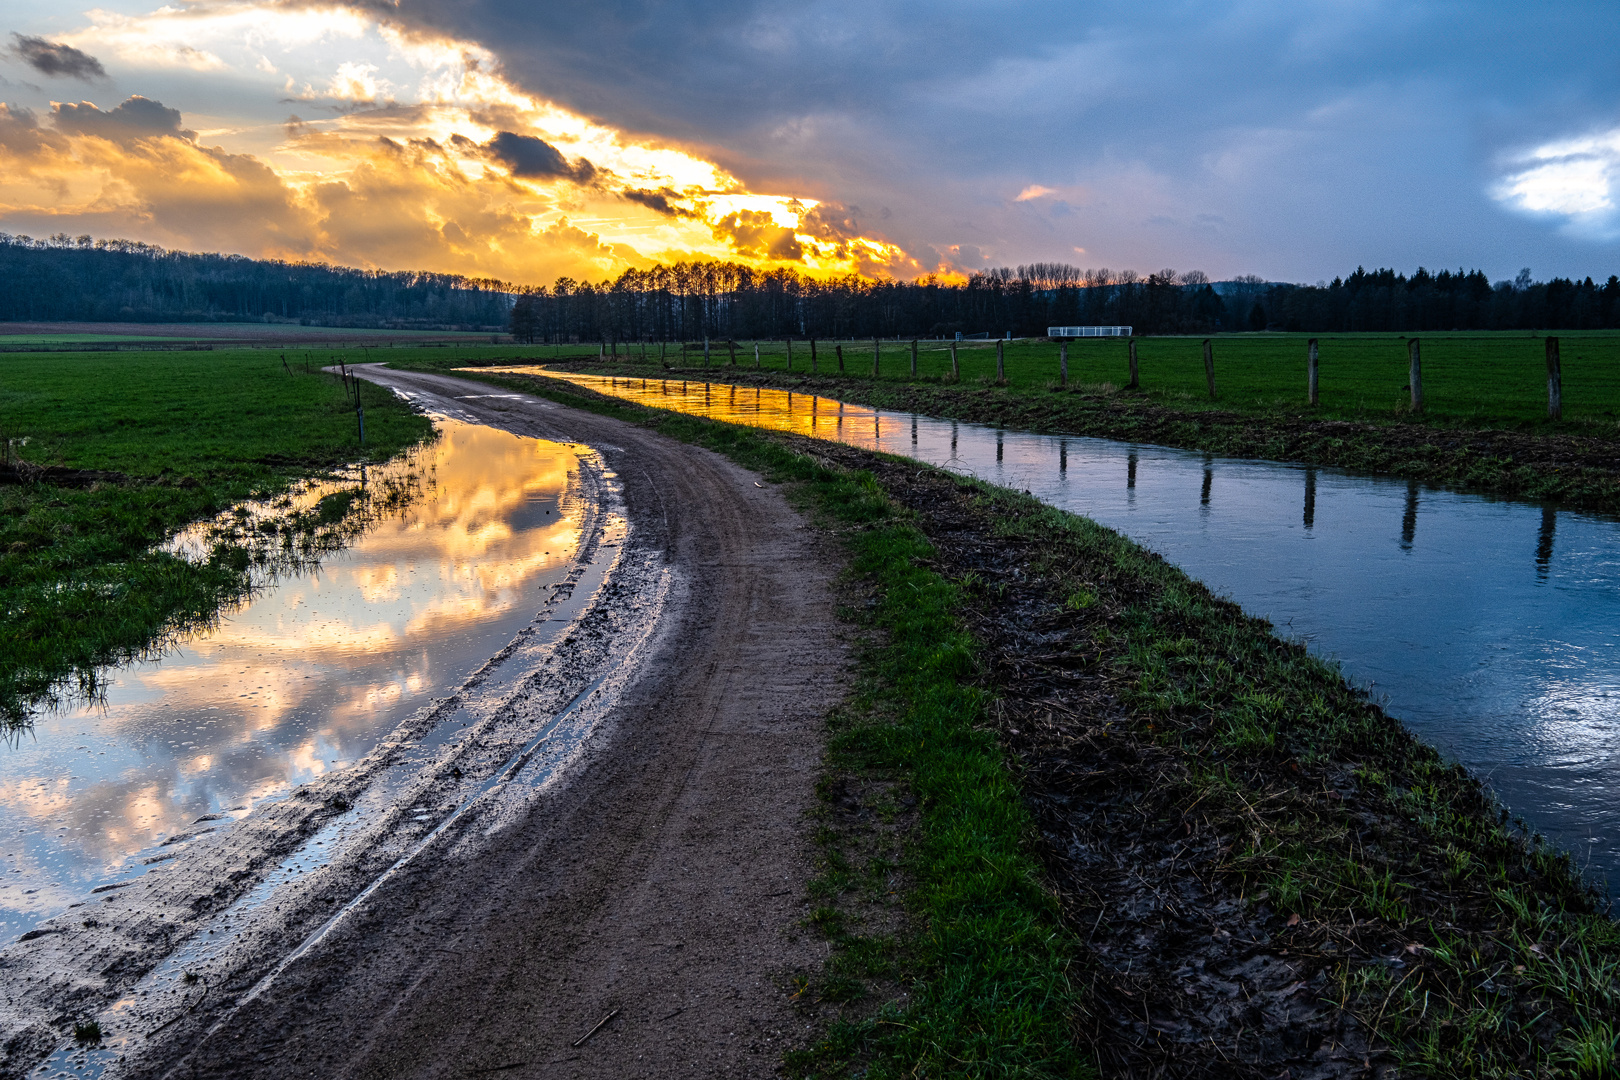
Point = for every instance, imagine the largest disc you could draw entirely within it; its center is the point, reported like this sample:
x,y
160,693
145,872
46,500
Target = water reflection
x,y
1409,518
303,680
1495,646
1544,541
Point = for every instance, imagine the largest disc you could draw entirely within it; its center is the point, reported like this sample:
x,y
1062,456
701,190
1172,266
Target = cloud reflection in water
x,y
305,679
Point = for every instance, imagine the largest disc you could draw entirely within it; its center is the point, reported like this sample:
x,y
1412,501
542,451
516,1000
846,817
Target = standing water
x,y
1490,627
305,678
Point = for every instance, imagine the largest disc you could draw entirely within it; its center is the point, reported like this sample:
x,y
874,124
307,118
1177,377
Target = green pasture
x,y
1469,378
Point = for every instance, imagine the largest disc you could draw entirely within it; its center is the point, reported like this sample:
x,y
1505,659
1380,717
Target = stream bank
x,y
1578,471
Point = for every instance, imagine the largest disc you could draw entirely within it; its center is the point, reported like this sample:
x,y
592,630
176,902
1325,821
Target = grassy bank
x,y
109,454
1253,868
1485,427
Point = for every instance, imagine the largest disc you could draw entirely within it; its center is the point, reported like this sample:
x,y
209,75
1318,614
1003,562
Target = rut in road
x,y
660,880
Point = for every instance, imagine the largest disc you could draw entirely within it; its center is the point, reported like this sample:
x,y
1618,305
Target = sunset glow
x,y
394,150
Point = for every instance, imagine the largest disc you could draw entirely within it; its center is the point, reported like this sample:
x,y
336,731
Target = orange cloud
x,y
515,190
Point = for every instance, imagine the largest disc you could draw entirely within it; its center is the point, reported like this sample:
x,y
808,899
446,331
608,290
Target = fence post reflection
x,y
1063,457
1544,542
998,446
1209,481
1310,498
1409,519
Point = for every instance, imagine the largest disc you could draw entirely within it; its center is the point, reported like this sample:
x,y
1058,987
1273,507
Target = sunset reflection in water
x,y
305,679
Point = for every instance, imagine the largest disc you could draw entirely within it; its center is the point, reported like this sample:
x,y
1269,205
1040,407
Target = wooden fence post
x,y
1063,364
789,354
1310,381
956,367
757,364
1001,364
732,345
1555,382
1136,383
705,350
1416,378
812,356
1209,367
839,349
913,358
877,351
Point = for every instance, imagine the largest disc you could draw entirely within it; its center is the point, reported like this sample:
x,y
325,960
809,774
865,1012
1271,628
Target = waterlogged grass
x,y
189,434
980,952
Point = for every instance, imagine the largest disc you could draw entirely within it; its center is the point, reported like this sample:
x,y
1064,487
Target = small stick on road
x,y
586,1037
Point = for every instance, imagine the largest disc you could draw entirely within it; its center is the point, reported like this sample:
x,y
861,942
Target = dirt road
x,y
659,881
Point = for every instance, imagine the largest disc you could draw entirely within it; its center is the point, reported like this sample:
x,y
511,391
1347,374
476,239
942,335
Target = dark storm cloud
x,y
536,159
51,58
1296,138
134,118
659,201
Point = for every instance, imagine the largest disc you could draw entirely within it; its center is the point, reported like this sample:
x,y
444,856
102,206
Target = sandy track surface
x,y
660,880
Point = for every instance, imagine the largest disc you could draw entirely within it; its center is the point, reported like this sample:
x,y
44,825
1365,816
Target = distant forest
x,y
690,300
77,279
73,279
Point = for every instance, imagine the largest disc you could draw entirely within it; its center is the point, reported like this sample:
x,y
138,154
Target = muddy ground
x,y
640,916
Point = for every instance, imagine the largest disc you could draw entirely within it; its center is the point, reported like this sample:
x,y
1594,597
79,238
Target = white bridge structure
x,y
1088,331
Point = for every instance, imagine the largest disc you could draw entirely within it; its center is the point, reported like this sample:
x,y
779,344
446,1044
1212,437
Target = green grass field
x,y
194,433
1473,379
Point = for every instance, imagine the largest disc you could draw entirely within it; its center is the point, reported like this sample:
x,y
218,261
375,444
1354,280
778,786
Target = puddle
x,y
1491,627
303,680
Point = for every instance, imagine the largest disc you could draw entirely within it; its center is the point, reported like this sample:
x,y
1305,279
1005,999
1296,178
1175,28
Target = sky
x,y
528,140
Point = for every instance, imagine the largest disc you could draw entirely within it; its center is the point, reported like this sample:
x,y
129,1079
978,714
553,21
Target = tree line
x,y
66,278
701,298
77,279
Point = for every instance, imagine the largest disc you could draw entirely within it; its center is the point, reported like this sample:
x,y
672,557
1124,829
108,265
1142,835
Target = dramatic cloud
x,y
1296,138
1293,139
51,58
661,201
535,159
134,118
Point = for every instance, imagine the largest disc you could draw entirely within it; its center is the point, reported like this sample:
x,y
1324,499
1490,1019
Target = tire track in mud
x,y
657,878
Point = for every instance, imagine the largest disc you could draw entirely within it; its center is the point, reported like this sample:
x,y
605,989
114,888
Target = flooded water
x,y
304,679
1491,627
